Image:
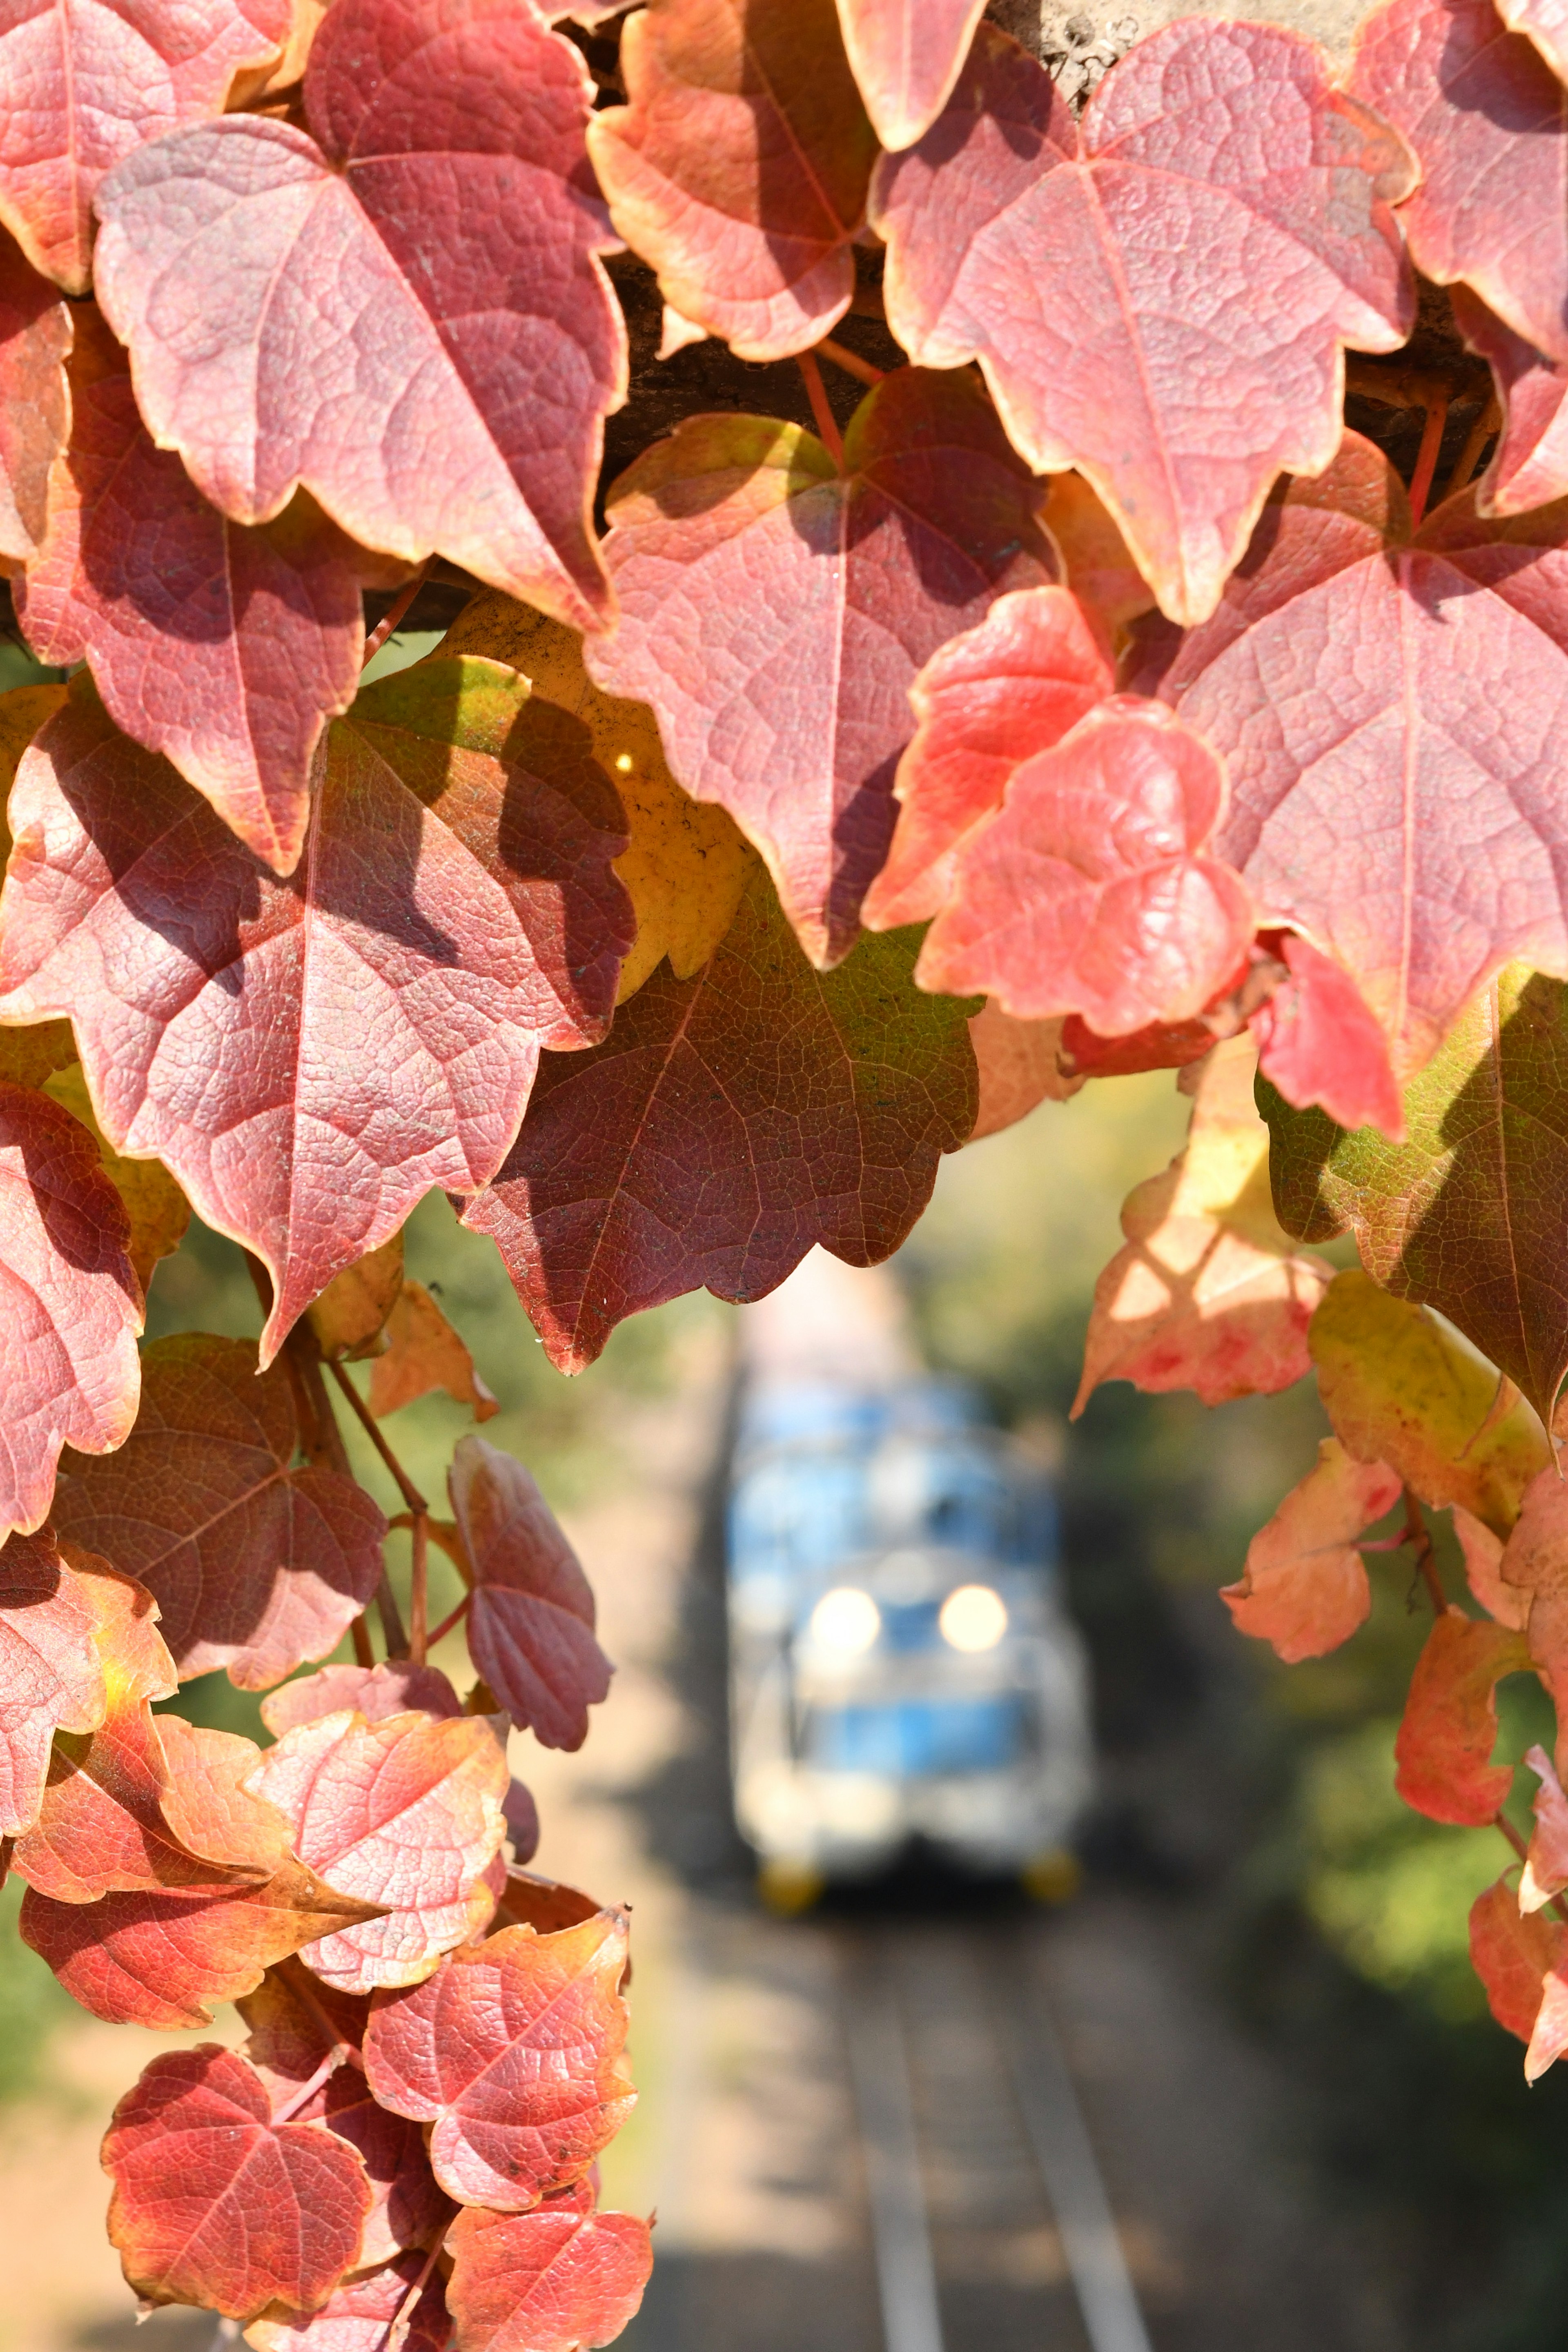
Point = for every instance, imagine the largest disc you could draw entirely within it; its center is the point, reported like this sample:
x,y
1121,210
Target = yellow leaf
x,y
686,865
424,1352
349,1317
158,1209
1402,1386
29,1057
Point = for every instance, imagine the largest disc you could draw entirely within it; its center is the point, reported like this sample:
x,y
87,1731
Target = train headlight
x,y
845,1619
973,1618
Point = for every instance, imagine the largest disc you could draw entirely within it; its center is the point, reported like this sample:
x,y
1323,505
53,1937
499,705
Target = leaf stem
x,y
419,1588
453,1617
1426,458
1489,422
399,1644
816,392
392,2338
1418,1536
394,613
371,1428
851,363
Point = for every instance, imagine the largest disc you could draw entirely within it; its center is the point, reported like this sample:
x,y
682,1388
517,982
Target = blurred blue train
x,y
902,1670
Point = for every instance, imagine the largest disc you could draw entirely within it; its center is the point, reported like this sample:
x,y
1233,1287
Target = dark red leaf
x,y
164,1960
405,1813
739,169
1530,464
985,702
88,86
521,1823
731,1122
407,2208
1079,264
294,2023
530,1627
394,1687
1449,1727
906,56
512,2051
70,1304
255,1564
1545,22
224,648
358,2315
542,1903
776,609
35,402
548,2281
51,1668
1338,682
1163,1045
1486,117
1091,890
216,2204
363,1031
434,257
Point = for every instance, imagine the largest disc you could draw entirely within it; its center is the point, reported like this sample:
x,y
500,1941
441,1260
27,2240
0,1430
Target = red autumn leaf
x,y
775,608
405,1813
1019,1065
1549,2038
1484,114
1511,1954
732,1122
70,1304
224,648
216,2204
359,2316
422,1352
35,402
530,1626
1535,1562
1483,1571
739,167
1545,22
255,1564
906,56
394,1687
1545,1872
1079,264
407,2208
548,2281
1319,1042
1530,464
1090,890
1338,681
294,2024
90,85
1163,1045
522,1825
1208,1293
984,703
164,1960
542,1903
1305,1587
51,1670
512,2051
310,1056
426,277
1449,1725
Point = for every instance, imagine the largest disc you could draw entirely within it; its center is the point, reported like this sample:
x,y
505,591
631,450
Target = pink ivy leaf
x,y
226,649
1544,22
1449,1725
90,85
548,2281
1485,115
1305,1587
35,401
1319,1041
392,1688
406,1812
1081,264
1019,1065
775,608
216,2204
434,251
906,55
70,1304
1483,1571
256,1564
52,1676
531,1625
309,1055
739,168
512,2052
1530,464
544,1904
984,703
1093,890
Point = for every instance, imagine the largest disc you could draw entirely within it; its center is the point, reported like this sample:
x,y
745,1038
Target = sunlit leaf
x,y
352,1313
906,56
1018,1063
1305,1586
51,1667
1545,1872
1449,1727
357,2316
422,1352
35,402
1530,464
392,1688
547,2280
1512,1954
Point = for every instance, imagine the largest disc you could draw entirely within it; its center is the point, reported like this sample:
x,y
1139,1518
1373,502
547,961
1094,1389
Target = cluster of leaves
x,y
853,792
